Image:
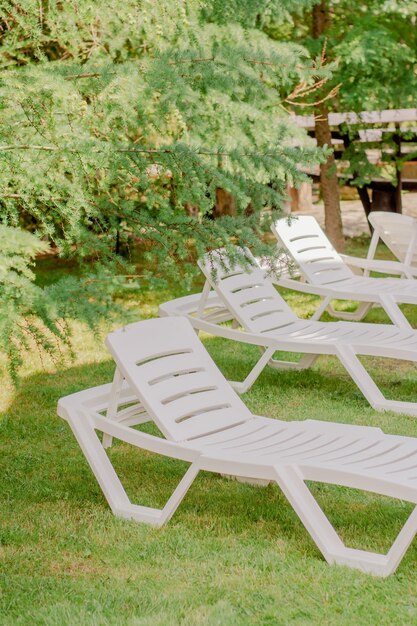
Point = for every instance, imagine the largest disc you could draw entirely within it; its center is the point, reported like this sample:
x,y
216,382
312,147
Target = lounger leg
x,y
203,298
304,363
246,384
394,312
368,387
291,481
386,301
111,485
266,359
113,404
301,499
355,316
325,302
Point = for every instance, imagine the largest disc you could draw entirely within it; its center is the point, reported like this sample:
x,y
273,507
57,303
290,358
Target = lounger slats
x,y
178,383
365,285
254,301
181,383
398,232
326,270
311,249
212,422
252,295
168,365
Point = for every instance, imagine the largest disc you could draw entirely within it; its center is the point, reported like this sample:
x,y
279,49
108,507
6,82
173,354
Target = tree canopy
x,y
372,49
121,121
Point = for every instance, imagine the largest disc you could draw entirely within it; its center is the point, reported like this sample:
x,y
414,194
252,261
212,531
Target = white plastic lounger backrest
x,y
398,232
311,250
248,294
175,378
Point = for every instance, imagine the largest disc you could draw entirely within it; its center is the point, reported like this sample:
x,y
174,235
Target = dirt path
x,y
353,215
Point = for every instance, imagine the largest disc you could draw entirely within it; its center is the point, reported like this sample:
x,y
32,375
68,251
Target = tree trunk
x,y
225,203
399,188
328,173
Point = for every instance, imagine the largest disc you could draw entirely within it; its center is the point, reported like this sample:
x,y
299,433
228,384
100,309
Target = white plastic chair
x,y
245,296
399,233
164,374
328,275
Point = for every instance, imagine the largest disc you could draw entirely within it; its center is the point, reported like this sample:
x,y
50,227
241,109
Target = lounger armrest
x,y
142,440
231,333
296,285
377,265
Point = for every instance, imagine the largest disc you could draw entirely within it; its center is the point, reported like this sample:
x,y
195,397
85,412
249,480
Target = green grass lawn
x,y
233,553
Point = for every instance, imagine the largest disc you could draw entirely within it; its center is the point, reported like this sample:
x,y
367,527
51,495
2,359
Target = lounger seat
x,y
366,339
261,316
164,374
328,274
399,233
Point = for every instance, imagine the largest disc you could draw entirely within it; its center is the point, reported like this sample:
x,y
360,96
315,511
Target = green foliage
x,y
35,317
372,48
376,48
139,137
374,45
376,51
17,250
120,123
255,13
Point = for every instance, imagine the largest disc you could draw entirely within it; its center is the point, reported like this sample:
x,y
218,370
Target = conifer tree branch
x,y
105,145
195,60
139,150
86,75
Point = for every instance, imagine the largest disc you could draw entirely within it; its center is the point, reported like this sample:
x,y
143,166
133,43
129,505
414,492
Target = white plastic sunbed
x,y
164,374
248,298
399,233
328,275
